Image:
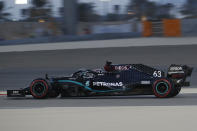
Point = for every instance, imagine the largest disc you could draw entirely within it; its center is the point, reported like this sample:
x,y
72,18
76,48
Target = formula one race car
x,y
121,79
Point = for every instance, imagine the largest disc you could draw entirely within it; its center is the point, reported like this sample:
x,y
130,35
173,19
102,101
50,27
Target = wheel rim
x,y
162,88
39,88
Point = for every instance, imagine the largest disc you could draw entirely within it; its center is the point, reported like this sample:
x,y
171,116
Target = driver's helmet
x,y
109,67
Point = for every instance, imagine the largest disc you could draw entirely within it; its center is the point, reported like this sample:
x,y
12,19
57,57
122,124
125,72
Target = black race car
x,y
120,79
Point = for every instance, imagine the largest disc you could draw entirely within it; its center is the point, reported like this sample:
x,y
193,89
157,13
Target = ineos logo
x,y
176,68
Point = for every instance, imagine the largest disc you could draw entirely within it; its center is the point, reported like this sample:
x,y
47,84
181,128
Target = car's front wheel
x,y
39,88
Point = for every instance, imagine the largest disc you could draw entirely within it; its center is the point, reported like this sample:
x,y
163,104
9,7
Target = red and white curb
x,y
3,93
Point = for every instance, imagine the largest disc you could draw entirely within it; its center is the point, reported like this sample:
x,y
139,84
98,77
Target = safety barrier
x,y
166,27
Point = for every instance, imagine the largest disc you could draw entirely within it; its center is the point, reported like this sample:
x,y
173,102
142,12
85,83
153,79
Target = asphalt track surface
x,y
17,69
184,99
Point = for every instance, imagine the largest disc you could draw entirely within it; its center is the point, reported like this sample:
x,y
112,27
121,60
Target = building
x,y
14,7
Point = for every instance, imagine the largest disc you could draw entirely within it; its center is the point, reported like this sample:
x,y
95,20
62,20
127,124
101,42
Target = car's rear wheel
x,y
163,88
39,88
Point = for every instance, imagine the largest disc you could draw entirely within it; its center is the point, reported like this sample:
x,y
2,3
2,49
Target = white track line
x,y
101,44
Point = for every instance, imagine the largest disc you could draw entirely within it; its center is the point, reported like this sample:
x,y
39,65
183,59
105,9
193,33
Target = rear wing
x,y
180,73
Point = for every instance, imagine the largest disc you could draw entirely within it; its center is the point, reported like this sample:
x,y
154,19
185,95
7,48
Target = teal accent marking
x,y
88,83
165,85
87,87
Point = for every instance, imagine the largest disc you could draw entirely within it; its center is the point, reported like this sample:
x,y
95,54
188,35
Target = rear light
x,y
177,75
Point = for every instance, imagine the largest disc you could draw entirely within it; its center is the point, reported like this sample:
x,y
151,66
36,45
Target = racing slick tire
x,y
39,88
163,88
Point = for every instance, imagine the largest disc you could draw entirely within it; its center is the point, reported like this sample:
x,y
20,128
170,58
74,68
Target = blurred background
x,y
68,20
